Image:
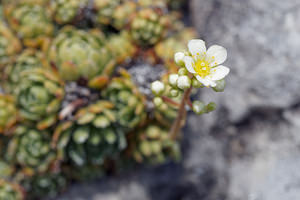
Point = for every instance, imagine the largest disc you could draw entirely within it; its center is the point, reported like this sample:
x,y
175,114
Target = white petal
x,y
197,46
188,61
211,82
206,81
219,72
217,55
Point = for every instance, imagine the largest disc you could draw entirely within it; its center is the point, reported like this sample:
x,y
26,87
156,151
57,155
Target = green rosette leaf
x,y
81,54
39,95
9,45
92,138
65,11
154,145
129,102
31,20
10,191
30,148
8,113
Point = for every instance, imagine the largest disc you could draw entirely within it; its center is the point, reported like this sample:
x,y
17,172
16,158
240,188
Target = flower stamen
x,y
202,68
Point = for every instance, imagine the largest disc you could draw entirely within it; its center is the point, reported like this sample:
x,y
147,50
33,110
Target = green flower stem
x,y
179,121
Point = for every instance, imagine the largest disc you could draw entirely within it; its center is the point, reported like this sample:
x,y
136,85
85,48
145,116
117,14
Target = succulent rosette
x,y
46,185
6,169
39,95
92,138
129,102
154,145
10,191
82,54
30,20
148,27
65,11
122,47
8,113
105,10
9,45
27,60
114,13
153,3
30,148
122,14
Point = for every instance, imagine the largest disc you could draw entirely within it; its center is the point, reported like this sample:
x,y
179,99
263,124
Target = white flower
x,y
157,87
178,57
173,79
206,64
184,82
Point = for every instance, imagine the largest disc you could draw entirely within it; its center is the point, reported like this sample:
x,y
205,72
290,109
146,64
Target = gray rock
x,y
257,118
262,39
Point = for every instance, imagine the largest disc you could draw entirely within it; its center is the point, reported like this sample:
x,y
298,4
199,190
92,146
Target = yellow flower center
x,y
202,68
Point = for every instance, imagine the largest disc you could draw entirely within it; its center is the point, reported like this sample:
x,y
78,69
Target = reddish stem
x,y
170,101
178,123
189,102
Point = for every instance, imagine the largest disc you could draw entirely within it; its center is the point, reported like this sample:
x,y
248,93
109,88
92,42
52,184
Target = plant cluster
x,y
72,105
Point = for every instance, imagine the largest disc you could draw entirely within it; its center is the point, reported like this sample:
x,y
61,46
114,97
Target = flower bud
x,y
221,84
157,101
157,87
183,82
196,83
210,107
174,93
178,57
182,71
173,80
199,107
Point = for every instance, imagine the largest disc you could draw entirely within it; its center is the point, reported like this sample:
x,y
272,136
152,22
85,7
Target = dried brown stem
x,y
71,107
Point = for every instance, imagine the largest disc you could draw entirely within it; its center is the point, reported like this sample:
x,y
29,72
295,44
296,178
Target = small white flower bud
x,y
157,87
182,71
157,101
221,84
183,82
174,93
196,83
173,80
211,107
178,57
199,107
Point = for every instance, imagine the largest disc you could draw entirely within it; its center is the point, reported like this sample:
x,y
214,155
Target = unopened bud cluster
x,y
177,83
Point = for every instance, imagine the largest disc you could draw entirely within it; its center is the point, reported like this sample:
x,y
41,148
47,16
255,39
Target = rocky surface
x,y
258,120
249,148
